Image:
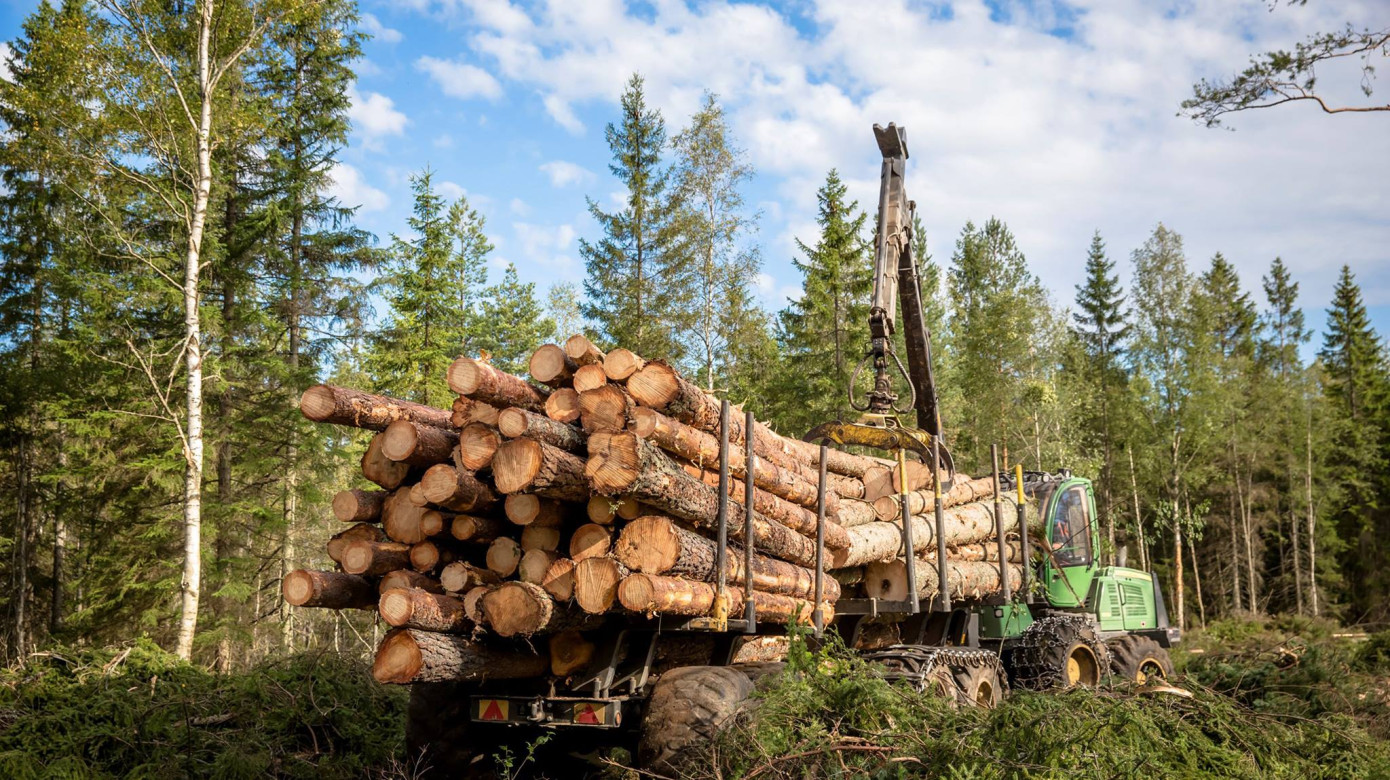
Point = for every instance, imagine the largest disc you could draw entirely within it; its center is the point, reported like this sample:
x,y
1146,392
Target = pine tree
x,y
512,322
709,172
637,273
1101,325
824,332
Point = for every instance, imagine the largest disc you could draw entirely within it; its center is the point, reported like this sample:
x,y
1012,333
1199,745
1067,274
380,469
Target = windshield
x,y
1070,533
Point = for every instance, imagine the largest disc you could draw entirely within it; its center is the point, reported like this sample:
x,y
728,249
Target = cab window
x,y
1071,535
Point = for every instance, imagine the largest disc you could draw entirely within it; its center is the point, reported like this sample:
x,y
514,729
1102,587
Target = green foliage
x,y
142,712
512,323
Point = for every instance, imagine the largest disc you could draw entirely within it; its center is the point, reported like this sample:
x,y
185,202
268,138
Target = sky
x,y
1059,118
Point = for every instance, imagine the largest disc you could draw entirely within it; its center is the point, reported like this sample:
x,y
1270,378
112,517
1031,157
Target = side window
x,y
1071,535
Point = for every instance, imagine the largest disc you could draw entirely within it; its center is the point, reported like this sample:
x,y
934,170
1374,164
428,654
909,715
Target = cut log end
x,y
503,556
655,385
398,659
590,540
650,544
589,378
582,351
550,365
559,580
613,464
317,403
596,584
477,445
518,609
516,464
621,364
329,589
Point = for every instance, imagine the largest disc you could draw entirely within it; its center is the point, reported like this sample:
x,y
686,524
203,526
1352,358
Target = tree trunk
x,y
652,594
596,583
549,365
519,423
481,382
526,509
620,364
407,656
526,465
479,530
359,506
374,559
1312,517
966,524
378,468
924,501
583,352
356,409
1177,572
657,545
328,589
605,408
973,580
589,378
523,609
458,490
1197,581
461,576
622,463
1138,516
406,578
797,518
563,405
590,540
417,444
415,608
477,445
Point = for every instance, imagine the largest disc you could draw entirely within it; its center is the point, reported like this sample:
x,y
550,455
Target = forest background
x,y
176,270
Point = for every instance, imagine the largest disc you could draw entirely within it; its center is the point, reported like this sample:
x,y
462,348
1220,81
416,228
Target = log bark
x,y
972,580
425,557
529,466
563,405
343,406
359,506
620,364
526,509
549,365
481,382
418,445
702,448
416,608
622,463
570,652
924,501
596,583
374,559
657,545
854,512
503,556
589,378
518,423
965,524
559,580
477,443
461,576
408,656
327,589
651,594
540,537
476,529
797,518
457,489
605,408
467,410
590,540
473,604
534,564
339,541
378,468
407,578
582,351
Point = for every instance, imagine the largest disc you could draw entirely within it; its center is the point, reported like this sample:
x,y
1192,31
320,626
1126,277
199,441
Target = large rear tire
x,y
1138,659
980,686
1059,651
687,709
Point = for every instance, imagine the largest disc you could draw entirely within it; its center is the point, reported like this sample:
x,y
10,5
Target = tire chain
x,y
1028,656
916,663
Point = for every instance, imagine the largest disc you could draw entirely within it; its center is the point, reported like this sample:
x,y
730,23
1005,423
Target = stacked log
x,y
550,506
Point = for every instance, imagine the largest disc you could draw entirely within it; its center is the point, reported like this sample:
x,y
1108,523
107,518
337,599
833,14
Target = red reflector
x,y
586,713
492,709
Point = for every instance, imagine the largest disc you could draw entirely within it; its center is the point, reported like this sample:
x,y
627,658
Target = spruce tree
x,y
637,281
825,332
512,322
1284,326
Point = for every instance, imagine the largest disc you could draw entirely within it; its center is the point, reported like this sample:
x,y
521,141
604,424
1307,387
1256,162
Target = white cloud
x,y
563,174
459,79
443,141
5,61
364,68
563,115
373,26
451,190
352,190
375,117
545,248
519,207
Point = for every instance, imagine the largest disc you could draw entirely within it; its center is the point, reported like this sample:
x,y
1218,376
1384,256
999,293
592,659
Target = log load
x,y
481,382
405,522
534,564
965,524
378,468
466,411
427,556
362,531
966,579
605,408
570,652
651,594
327,589
540,537
525,509
416,444
359,506
523,609
530,466
582,351
416,608
473,605
620,364
605,510
590,540
563,405
798,518
549,365
417,495
882,480
658,545
623,463
457,489
356,409
477,443
409,655
589,378
596,583
461,576
559,580
374,559
518,423
407,578
503,556
924,501
480,530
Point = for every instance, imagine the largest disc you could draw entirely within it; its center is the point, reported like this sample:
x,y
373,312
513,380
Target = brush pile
x,y
546,508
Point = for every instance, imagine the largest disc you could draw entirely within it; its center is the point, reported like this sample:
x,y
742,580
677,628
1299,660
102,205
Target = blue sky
x,y
1059,118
